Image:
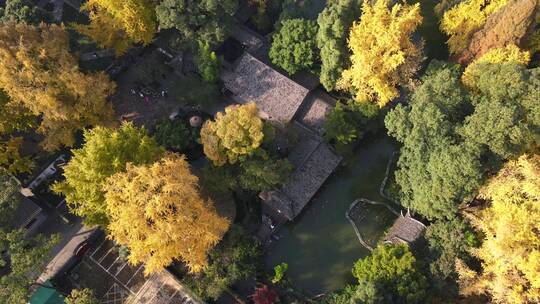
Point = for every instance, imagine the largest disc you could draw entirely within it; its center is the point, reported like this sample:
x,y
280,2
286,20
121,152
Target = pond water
x,y
321,246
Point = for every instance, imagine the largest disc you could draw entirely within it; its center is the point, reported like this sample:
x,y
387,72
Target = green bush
x,y
348,123
256,173
279,272
391,273
349,295
448,241
208,63
235,258
174,135
294,47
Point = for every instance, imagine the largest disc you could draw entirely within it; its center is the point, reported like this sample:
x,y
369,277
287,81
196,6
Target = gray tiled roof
x,y
313,112
276,96
405,230
26,211
314,162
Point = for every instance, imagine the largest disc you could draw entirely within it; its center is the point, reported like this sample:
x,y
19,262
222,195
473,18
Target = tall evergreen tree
x,y
335,22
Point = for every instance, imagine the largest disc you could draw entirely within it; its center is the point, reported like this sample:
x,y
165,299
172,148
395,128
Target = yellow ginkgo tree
x,y
461,21
119,24
41,76
384,55
510,252
237,132
158,213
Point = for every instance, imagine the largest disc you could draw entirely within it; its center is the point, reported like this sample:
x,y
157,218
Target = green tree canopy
x,y
23,257
174,135
9,192
206,20
105,152
257,173
291,9
390,275
451,137
348,123
349,295
22,11
506,118
436,169
448,241
83,296
294,47
235,258
263,173
334,23
341,127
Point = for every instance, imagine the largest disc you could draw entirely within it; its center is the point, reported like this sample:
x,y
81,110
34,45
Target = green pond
x,y
321,245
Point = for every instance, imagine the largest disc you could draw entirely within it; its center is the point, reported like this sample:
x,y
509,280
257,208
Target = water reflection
x,y
321,246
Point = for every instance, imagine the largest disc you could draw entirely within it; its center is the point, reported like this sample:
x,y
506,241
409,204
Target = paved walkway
x,y
64,253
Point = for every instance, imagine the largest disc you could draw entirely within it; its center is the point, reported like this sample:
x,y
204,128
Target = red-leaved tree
x,y
265,295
